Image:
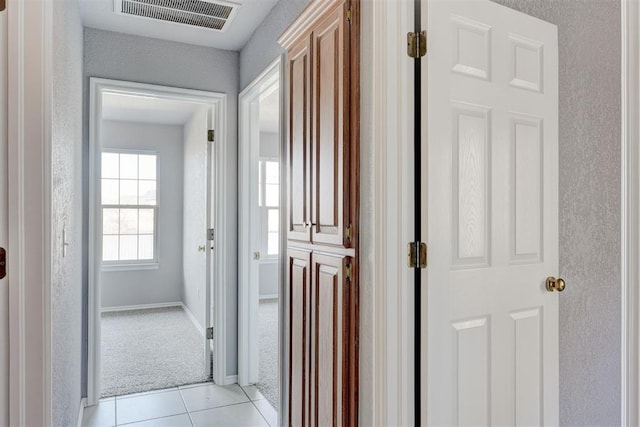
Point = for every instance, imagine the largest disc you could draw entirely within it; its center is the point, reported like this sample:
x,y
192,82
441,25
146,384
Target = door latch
x,y
3,263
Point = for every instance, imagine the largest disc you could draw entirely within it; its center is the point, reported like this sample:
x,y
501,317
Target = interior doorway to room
x,y
153,215
260,239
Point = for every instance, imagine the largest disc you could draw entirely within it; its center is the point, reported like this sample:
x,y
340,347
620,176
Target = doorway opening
x,y
154,271
260,242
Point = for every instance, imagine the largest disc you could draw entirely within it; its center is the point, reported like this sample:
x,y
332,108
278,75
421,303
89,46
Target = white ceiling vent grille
x,y
198,13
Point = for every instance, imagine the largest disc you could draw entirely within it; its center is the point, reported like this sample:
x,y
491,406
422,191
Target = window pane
x,y
145,246
128,221
147,193
128,192
129,166
272,196
109,248
110,165
110,191
110,221
128,247
260,184
272,173
147,164
273,220
146,221
272,244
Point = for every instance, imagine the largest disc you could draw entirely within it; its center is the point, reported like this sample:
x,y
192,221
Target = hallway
x,y
207,405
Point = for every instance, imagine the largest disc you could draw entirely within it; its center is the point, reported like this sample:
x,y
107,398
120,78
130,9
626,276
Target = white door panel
x,y
492,215
4,232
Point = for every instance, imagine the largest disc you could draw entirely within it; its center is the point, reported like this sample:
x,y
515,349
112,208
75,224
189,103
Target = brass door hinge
x,y
210,333
417,255
211,135
417,44
347,232
348,271
349,14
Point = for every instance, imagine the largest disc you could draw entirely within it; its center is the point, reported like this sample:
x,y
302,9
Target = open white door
x,y
4,215
492,216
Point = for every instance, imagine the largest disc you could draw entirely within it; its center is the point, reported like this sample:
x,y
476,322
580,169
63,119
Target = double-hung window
x,y
129,208
269,200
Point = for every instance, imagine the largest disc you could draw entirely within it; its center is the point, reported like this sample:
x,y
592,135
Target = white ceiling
x,y
140,109
100,14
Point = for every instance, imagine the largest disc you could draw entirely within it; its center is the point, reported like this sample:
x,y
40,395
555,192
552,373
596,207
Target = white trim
x,y
248,293
230,379
198,326
218,279
387,124
141,307
29,156
630,209
83,404
268,296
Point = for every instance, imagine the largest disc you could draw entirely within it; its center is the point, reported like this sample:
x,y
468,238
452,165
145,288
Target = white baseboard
x,y
141,306
83,403
230,379
193,319
269,296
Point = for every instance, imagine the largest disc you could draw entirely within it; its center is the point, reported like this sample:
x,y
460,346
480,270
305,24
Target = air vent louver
x,y
197,13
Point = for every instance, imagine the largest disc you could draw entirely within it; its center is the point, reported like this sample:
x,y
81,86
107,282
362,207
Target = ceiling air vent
x,y
198,13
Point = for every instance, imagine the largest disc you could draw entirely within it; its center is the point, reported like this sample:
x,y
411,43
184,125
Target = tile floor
x,y
195,405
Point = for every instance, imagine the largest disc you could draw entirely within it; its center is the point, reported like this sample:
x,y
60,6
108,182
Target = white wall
x,y
140,59
195,219
4,284
123,288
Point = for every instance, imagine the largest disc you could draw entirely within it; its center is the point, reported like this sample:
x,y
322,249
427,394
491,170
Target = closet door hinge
x,y
348,272
210,234
417,44
347,232
349,14
211,135
417,255
210,333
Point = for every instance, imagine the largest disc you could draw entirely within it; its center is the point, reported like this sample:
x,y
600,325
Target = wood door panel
x,y
330,178
299,293
298,148
330,329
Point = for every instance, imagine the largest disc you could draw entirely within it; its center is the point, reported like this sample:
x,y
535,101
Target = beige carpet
x,y
268,359
150,349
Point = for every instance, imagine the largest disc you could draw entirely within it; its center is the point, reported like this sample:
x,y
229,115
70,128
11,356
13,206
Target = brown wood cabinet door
x,y
299,321
298,147
330,291
330,129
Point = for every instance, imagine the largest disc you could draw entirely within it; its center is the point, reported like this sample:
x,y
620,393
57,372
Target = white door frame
x,y
248,295
216,289
386,339
30,38
630,209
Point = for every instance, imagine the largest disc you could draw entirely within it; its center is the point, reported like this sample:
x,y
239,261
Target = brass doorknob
x,y
554,284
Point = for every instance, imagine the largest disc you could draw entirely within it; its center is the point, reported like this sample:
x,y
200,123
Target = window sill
x,y
130,267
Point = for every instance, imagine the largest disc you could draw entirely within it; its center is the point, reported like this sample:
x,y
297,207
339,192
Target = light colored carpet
x,y
150,349
268,364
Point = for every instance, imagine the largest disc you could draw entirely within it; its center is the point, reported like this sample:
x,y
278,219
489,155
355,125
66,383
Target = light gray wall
x,y
263,48
135,287
269,145
268,279
139,59
66,208
589,51
194,204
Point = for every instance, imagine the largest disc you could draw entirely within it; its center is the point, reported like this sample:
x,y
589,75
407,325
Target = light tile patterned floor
x,y
192,406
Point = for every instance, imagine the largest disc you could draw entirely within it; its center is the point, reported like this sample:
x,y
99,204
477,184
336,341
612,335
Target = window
x,y
129,208
269,200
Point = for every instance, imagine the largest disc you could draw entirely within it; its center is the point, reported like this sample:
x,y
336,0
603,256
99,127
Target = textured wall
x,y
66,208
589,51
263,48
139,59
164,284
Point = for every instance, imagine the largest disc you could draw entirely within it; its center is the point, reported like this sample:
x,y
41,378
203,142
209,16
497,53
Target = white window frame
x,y
264,209
129,265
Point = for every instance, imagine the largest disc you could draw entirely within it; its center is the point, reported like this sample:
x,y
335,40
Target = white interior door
x,y
492,216
4,231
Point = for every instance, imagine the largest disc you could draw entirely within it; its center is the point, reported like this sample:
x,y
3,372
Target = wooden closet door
x,y
299,321
330,130
299,155
330,290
